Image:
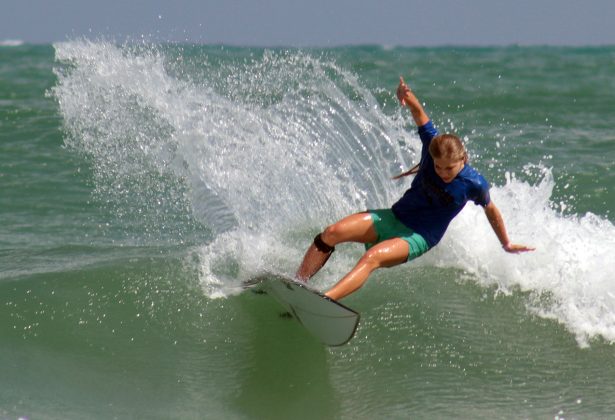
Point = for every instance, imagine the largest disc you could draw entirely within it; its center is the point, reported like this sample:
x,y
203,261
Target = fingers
x,y
402,90
517,249
402,84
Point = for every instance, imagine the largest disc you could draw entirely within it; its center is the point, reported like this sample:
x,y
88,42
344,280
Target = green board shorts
x,y
388,226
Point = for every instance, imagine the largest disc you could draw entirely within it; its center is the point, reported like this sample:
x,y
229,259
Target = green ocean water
x,y
141,184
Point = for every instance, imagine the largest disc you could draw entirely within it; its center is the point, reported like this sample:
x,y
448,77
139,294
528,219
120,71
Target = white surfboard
x,y
328,320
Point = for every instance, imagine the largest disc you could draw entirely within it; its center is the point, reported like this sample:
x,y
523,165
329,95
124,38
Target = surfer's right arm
x,y
407,98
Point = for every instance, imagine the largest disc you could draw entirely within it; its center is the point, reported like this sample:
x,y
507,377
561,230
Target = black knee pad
x,y
322,246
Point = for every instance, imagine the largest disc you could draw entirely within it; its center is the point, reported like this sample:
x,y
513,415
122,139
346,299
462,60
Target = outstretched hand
x,y
403,92
517,249
407,98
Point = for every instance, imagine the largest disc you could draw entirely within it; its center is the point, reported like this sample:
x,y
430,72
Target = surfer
x,y
443,184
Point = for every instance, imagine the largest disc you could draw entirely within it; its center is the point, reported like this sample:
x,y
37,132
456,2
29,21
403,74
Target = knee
x,y
371,260
331,235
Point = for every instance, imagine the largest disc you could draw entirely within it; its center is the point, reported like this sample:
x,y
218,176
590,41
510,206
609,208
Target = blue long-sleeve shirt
x,y
430,204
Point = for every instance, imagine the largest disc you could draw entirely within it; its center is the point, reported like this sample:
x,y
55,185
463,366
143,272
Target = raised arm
x,y
497,223
407,98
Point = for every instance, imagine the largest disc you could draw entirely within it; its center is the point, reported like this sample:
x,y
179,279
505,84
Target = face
x,y
447,169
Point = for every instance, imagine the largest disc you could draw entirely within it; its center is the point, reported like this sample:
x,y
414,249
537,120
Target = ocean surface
x,y
141,184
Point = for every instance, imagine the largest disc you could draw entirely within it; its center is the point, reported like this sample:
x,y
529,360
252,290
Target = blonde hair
x,y
448,146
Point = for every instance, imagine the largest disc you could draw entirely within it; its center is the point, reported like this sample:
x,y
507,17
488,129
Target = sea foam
x,y
565,276
11,43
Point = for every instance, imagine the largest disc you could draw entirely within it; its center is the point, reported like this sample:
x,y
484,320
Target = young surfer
x,y
443,184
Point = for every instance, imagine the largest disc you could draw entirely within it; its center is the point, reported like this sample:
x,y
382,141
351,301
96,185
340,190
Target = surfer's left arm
x,y
497,223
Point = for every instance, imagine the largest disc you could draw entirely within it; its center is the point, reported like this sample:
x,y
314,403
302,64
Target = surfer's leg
x,y
358,227
355,228
315,258
385,254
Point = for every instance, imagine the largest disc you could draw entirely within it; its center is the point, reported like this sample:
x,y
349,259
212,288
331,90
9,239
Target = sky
x,y
306,23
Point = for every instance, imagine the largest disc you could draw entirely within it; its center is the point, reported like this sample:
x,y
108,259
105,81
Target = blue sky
x,y
315,22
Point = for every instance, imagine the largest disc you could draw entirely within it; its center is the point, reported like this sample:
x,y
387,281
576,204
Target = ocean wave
x,y
266,148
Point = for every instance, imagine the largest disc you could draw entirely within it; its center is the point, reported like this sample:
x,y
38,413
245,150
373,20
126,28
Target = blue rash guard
x,y
430,204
